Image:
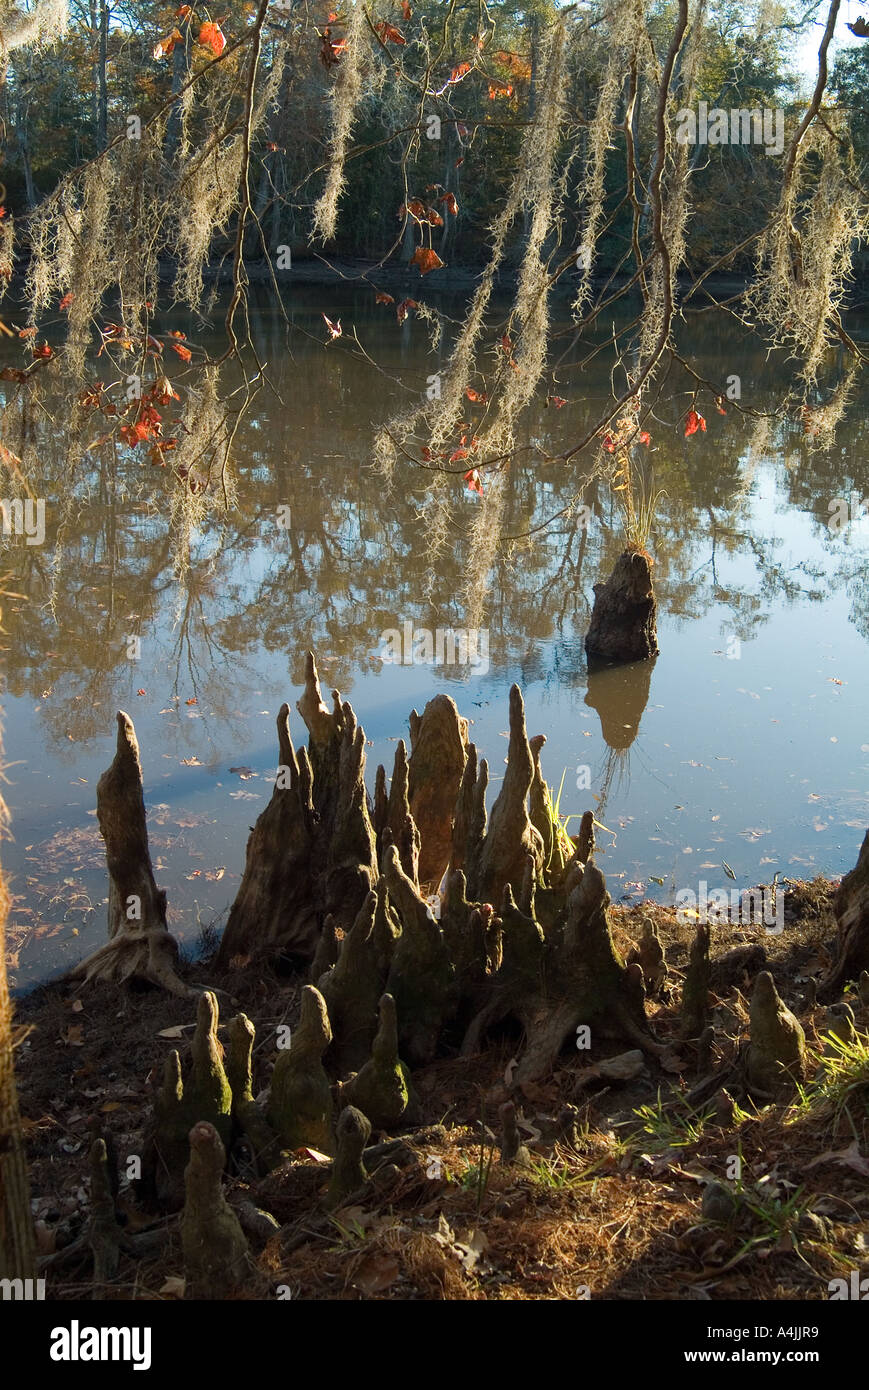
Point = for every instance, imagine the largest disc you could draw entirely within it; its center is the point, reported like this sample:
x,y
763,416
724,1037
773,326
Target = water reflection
x,y
742,550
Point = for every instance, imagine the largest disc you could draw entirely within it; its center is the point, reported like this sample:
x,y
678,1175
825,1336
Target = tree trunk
x,y
139,941
17,1252
851,906
103,98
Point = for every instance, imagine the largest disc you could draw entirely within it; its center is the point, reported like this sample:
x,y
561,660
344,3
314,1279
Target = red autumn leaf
x,y
335,329
212,36
163,391
458,162
459,72
27,332
389,31
473,481
136,434
173,333
405,9
401,310
140,692
426,259
506,344
433,218
497,90
183,11
557,401
67,300
192,701
450,200
719,407
163,47
693,423
457,455
183,352
2,212
43,350
426,454
645,437
479,396
382,298
415,208
608,443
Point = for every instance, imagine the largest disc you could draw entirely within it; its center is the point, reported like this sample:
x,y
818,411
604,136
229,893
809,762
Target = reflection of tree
x,y
355,559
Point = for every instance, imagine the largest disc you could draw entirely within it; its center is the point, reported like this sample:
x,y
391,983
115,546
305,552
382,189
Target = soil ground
x,y
612,1212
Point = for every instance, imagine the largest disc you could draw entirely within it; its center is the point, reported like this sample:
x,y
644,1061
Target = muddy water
x,y
745,743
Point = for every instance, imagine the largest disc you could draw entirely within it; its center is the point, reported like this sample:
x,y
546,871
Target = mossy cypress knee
x,y
351,990
247,1115
207,1093
300,1104
776,1058
216,1256
348,1171
382,1089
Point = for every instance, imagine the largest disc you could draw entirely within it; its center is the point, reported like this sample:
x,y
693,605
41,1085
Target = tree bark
x,y
17,1250
851,906
623,621
139,940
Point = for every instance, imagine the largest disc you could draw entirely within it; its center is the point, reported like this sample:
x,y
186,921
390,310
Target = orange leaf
x,y
645,437
27,332
401,310
557,401
693,423
183,352
459,72
212,36
389,31
405,9
381,298
479,396
67,300
426,259
42,351
473,481
450,200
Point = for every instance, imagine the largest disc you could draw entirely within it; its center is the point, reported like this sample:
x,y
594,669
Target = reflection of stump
x,y
139,941
623,620
620,698
851,905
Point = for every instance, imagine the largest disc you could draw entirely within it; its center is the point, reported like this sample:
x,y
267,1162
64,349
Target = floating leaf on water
x,y
727,869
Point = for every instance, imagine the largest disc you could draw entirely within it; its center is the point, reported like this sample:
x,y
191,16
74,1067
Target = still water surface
x,y
752,751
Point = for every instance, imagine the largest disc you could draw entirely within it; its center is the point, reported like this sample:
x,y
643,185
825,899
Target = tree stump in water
x,y
623,621
851,906
139,945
